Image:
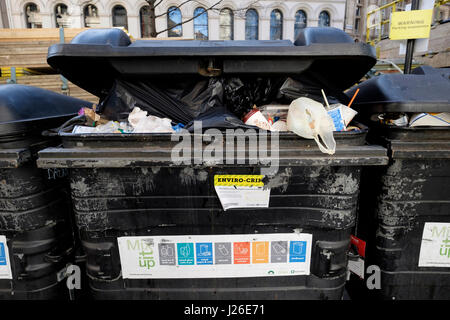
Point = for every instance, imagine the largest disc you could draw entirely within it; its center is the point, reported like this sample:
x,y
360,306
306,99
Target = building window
x,y
32,16
226,24
119,17
276,25
200,24
144,17
90,15
174,20
324,19
61,15
251,24
300,22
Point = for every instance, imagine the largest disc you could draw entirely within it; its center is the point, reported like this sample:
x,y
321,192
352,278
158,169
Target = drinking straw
x,y
325,98
353,98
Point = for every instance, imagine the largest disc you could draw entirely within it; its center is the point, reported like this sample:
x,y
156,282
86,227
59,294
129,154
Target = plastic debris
x,y
92,118
400,120
109,127
310,120
280,126
347,113
142,123
256,118
430,119
338,118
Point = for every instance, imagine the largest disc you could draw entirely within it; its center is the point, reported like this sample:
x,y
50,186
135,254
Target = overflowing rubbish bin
x,y
36,237
405,207
228,210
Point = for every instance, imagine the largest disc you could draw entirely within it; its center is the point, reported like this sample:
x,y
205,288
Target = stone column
x,y
239,28
213,27
134,26
264,29
288,28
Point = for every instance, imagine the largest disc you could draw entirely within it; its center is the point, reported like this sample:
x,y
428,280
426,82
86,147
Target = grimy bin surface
x,y
126,185
405,207
36,240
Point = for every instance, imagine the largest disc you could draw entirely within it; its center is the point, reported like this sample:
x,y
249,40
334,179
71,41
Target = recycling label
x,y
215,256
435,246
241,191
5,265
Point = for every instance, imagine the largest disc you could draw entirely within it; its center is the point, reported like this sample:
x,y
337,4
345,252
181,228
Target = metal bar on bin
x,y
410,43
13,77
64,86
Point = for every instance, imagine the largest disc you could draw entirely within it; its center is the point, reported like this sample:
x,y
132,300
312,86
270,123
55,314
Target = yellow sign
x,y
239,180
414,24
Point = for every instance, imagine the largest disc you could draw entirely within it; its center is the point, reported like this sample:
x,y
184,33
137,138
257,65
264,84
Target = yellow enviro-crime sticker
x,y
241,191
239,180
414,24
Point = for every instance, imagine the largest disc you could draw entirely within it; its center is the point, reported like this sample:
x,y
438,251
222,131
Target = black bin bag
x,y
187,101
181,101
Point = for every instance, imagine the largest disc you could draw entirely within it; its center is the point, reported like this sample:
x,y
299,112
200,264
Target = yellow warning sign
x,y
414,24
239,180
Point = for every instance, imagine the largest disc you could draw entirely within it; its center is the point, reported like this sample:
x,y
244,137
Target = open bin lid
x,y
426,90
96,57
26,110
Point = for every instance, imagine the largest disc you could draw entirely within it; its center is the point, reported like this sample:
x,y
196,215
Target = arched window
x,y
300,22
276,25
90,16
200,24
144,18
32,16
119,17
60,13
251,24
226,24
324,19
174,18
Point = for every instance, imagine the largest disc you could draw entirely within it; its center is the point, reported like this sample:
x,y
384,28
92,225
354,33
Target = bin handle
x,y
56,257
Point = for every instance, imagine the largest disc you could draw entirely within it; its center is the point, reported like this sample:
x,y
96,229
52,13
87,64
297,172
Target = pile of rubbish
x,y
138,122
270,104
440,119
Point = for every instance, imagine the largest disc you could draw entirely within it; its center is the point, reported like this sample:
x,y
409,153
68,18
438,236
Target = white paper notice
x,y
357,267
215,256
435,247
5,265
241,191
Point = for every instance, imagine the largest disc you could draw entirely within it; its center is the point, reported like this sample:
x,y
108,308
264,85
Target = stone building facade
x,y
235,19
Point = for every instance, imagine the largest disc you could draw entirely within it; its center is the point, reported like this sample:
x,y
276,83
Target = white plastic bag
x,y
309,119
142,123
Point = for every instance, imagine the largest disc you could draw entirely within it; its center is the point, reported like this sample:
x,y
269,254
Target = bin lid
x,y
93,62
426,90
26,108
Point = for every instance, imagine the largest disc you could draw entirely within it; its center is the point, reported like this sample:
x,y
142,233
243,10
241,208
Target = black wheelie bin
x,y
36,236
154,227
405,207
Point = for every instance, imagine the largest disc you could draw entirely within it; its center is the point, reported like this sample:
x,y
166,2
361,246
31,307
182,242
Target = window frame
x,y
280,25
126,16
203,15
171,33
255,27
231,25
